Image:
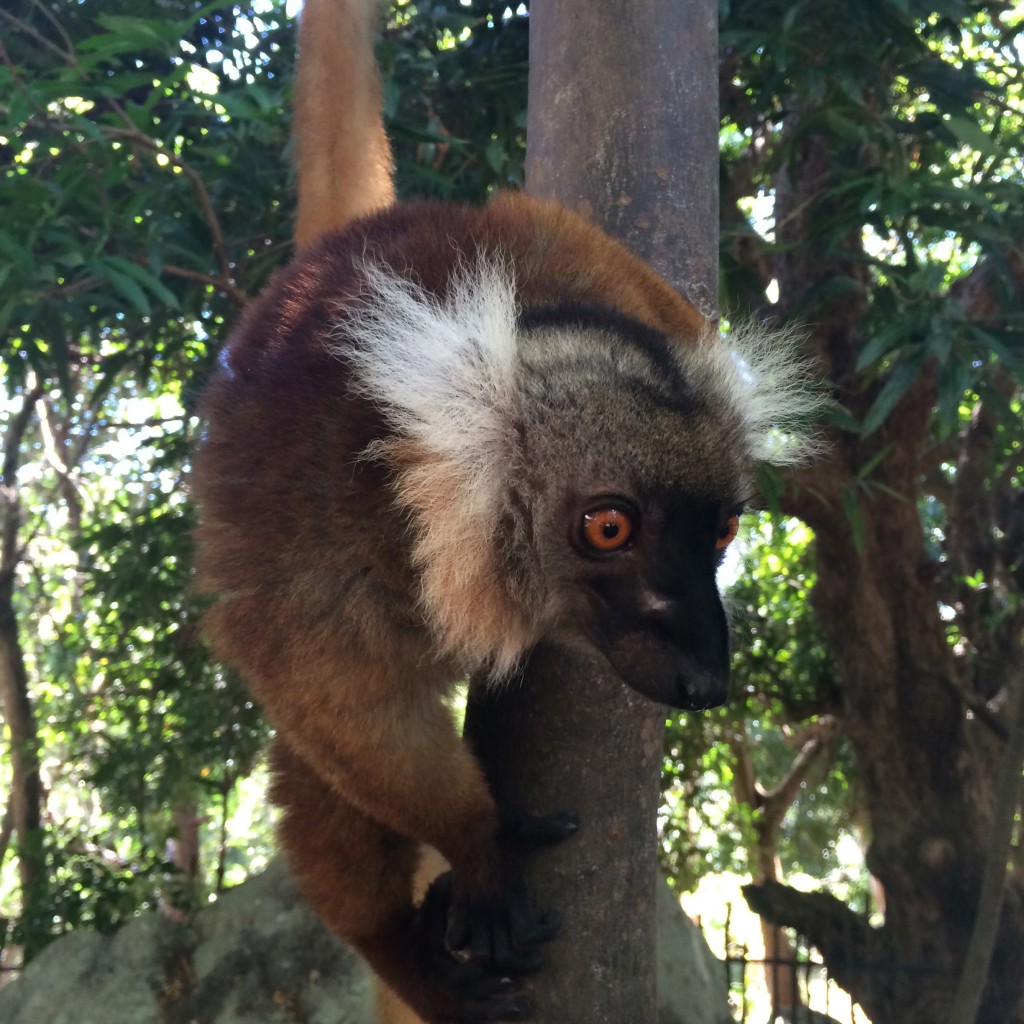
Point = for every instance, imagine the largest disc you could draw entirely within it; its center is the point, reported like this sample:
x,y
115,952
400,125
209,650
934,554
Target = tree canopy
x,y
870,193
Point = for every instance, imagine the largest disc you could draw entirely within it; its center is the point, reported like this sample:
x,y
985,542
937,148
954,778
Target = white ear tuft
x,y
443,374
442,371
762,373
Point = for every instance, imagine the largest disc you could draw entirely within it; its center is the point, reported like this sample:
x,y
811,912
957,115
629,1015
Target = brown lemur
x,y
439,436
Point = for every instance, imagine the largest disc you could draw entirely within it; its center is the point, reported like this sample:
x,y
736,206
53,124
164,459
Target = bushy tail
x,y
342,154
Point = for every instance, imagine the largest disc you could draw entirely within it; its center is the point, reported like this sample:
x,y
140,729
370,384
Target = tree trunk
x,y
545,750
771,805
623,128
19,717
927,765
18,714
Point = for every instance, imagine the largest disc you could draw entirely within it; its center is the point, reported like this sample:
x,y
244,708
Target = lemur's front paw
x,y
499,930
477,942
464,987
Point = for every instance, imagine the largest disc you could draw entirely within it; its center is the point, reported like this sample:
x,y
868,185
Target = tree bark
x,y
18,714
545,751
817,747
623,128
926,763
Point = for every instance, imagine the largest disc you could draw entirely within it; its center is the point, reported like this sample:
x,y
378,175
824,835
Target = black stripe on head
x,y
655,346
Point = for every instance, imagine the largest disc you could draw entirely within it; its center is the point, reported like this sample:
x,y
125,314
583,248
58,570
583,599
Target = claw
x,y
532,831
473,943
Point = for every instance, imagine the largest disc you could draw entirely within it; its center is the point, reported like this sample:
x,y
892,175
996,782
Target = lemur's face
x,y
645,483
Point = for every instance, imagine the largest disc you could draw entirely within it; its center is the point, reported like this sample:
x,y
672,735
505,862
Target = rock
x,y
692,985
260,956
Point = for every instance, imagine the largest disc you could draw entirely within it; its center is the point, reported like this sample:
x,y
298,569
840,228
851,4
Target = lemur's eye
x,y
727,533
607,529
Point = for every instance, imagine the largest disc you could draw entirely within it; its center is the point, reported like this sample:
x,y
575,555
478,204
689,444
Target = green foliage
x,y
906,120
146,194
145,182
134,199
784,684
920,104
455,98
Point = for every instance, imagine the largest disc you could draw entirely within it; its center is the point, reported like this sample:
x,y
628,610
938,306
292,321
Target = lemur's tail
x,y
342,155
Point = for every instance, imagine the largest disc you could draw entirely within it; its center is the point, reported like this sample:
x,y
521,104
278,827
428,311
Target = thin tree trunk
x,y
623,127
817,748
764,860
926,759
18,713
19,716
990,901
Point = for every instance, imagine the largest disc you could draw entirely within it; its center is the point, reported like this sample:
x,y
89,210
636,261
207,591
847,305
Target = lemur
x,y
439,436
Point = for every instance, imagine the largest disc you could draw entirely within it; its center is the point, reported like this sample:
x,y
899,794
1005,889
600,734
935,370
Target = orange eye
x,y
607,529
727,534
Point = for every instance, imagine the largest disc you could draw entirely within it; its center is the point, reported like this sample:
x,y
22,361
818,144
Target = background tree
x,y
124,250
870,190
891,159
572,733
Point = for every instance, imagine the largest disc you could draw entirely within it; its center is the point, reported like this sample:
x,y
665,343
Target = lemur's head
x,y
571,473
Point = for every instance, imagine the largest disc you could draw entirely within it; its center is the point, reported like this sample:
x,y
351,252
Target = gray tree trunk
x,y
623,128
18,714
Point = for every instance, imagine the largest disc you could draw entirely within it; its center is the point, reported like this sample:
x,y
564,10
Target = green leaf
x,y
1007,346
872,464
839,286
881,343
123,284
953,381
7,311
939,340
151,31
851,508
969,133
495,155
838,415
146,278
890,394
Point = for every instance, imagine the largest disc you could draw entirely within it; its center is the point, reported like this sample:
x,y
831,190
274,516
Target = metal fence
x,y
752,982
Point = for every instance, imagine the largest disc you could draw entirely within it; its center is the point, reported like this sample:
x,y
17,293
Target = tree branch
x,y
851,948
20,26
224,284
819,743
978,960
10,549
131,133
19,715
744,782
67,482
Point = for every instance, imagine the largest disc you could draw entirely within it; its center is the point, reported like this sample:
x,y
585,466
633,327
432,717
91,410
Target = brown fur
x,y
323,560
562,258
343,158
